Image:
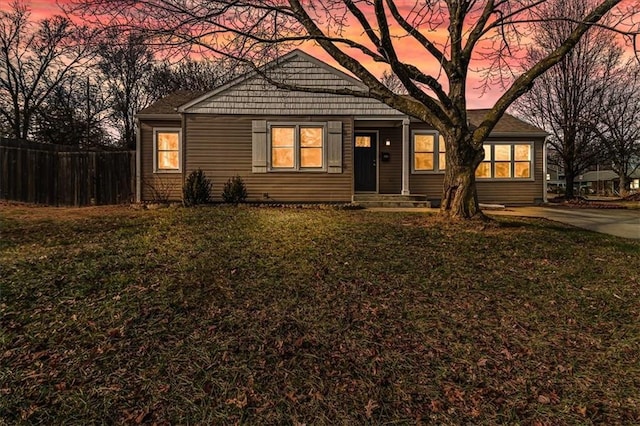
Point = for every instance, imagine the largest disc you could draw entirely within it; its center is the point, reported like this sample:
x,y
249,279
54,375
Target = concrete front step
x,y
395,204
358,198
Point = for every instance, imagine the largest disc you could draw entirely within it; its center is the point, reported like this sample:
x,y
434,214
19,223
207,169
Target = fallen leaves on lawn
x,y
369,408
248,316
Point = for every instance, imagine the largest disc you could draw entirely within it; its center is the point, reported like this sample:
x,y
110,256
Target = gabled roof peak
x,y
278,62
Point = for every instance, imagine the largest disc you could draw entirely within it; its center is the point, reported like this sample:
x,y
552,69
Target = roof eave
x,y
518,134
158,116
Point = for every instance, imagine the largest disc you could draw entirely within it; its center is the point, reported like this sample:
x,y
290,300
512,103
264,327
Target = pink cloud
x,y
40,9
407,48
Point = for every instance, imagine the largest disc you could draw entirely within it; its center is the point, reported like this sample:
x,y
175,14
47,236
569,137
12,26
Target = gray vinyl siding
x,y
221,146
257,96
171,182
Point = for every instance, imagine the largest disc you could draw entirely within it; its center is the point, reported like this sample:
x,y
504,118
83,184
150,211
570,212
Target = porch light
x,y
387,142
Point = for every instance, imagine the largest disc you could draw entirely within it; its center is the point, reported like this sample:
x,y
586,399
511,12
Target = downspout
x,y
138,162
544,169
183,126
352,144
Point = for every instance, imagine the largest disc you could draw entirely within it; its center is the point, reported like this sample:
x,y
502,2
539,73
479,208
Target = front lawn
x,y
292,316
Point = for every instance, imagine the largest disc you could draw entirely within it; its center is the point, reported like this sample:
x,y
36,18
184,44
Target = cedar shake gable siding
x,y
254,95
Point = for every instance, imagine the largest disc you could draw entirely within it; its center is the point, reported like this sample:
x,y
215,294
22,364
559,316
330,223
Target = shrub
x,y
197,189
160,189
234,190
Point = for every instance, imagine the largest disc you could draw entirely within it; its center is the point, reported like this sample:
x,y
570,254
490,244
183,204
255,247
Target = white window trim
x,y
436,153
512,162
296,147
157,130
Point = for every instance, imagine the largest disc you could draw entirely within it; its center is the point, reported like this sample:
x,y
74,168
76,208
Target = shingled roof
x,y
170,103
508,124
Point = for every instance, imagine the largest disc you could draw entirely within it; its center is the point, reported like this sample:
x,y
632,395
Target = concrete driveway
x,y
621,223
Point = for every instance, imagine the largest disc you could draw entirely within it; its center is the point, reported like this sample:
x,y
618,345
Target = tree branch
x,y
416,34
524,82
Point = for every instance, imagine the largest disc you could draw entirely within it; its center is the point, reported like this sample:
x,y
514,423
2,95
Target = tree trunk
x,y
623,185
568,192
26,126
460,196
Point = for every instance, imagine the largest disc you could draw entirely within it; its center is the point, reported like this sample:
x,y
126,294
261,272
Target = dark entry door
x,y
365,160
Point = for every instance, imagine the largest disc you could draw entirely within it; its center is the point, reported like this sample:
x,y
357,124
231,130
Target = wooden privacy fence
x,y
60,175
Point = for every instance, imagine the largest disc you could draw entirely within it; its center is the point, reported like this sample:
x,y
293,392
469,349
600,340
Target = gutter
x,y
518,135
172,116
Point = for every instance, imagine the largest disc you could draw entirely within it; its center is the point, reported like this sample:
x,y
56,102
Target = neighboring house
x,y
292,146
604,182
607,182
634,183
555,178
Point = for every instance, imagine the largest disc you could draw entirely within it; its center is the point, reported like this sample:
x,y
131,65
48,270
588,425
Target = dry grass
x,y
272,316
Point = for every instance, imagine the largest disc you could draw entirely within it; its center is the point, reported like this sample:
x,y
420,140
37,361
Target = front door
x,y
365,159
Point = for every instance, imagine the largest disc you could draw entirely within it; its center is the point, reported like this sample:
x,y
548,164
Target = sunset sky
x,y
475,98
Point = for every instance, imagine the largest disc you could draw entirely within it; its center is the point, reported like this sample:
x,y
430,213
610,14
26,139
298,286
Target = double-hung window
x,y
429,152
504,161
167,145
297,147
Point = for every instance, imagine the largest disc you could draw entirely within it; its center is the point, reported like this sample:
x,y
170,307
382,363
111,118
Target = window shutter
x,y
259,146
334,142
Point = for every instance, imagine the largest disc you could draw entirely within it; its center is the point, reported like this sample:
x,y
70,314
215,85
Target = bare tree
x,y
568,100
190,74
73,114
126,62
620,122
35,58
254,30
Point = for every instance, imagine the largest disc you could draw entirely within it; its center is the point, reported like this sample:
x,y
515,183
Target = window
x,y
166,153
311,147
297,147
502,161
363,141
484,169
506,161
282,147
429,152
522,163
